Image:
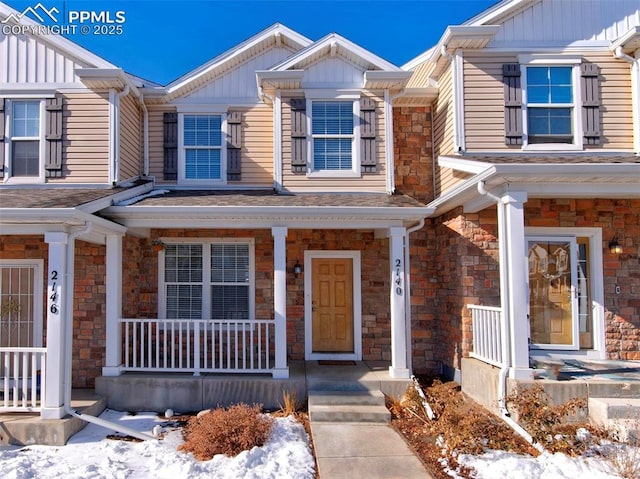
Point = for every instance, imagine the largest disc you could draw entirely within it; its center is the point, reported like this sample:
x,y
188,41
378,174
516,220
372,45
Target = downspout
x,y
504,306
457,96
145,137
407,298
116,134
635,92
388,132
69,344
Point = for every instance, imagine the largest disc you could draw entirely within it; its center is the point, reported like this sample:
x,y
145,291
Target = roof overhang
x,y
56,41
273,80
248,217
275,35
23,221
385,80
629,42
609,180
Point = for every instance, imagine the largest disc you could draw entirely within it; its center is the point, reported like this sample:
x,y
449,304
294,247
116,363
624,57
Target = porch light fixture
x,y
614,246
297,269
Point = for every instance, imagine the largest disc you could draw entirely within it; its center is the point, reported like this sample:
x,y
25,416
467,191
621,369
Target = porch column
x,y
281,370
398,368
113,346
53,407
516,258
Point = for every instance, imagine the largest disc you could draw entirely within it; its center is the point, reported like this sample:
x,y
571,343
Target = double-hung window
x,y
550,104
333,135
213,279
202,147
25,138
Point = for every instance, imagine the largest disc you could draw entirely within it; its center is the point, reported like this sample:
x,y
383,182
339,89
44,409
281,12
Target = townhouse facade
x,y
307,200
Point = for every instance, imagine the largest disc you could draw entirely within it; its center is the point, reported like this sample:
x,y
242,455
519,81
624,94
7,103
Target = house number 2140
x,y
54,297
398,277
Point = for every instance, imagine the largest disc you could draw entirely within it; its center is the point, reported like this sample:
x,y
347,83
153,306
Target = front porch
x,y
183,392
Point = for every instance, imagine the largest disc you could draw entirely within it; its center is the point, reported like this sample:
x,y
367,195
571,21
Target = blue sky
x,y
161,40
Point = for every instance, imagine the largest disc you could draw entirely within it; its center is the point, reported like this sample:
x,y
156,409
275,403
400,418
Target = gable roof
x,y
333,44
276,34
56,41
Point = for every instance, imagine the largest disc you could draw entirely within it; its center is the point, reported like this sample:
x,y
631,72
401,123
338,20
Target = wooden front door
x,y
332,305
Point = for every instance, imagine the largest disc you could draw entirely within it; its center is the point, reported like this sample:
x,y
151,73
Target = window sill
x,y
24,180
333,174
552,147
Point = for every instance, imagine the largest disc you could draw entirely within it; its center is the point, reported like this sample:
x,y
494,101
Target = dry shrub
x,y
290,403
548,424
624,454
226,431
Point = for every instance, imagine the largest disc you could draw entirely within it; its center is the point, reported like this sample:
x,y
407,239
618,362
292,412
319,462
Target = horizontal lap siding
x,y
484,101
156,141
443,131
616,108
130,139
257,145
366,182
85,138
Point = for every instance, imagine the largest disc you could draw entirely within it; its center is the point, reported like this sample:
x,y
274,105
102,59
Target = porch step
x,y
621,415
348,406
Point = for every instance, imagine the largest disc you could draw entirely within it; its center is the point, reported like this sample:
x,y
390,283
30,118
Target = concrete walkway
x,y
355,450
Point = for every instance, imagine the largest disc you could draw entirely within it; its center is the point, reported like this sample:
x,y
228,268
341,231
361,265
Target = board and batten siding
x,y
27,59
373,182
85,138
256,148
130,139
484,102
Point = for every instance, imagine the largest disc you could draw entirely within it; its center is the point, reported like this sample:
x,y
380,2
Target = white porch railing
x,y
22,379
487,334
186,345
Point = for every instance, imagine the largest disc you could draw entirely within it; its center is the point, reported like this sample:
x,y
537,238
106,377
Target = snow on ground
x,y
89,454
507,465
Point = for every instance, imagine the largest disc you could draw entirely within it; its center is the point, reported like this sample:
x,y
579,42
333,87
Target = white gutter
x,y
68,340
388,134
145,136
635,93
504,306
114,138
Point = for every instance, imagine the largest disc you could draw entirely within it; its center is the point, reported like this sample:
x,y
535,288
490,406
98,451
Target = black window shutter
x,y
1,134
512,104
368,130
298,135
170,144
53,137
590,92
234,145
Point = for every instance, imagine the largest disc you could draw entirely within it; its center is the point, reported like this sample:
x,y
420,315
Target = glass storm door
x,y
20,323
553,292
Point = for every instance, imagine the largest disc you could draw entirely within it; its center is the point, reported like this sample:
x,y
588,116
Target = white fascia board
x,y
575,170
357,50
633,34
37,90
601,189
499,10
235,51
277,75
58,41
460,164
419,60
153,215
103,203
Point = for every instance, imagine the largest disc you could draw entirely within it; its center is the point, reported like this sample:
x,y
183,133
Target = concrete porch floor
x,y
23,429
187,393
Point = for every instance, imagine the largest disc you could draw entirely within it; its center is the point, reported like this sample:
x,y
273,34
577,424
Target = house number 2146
x,y
54,297
398,277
